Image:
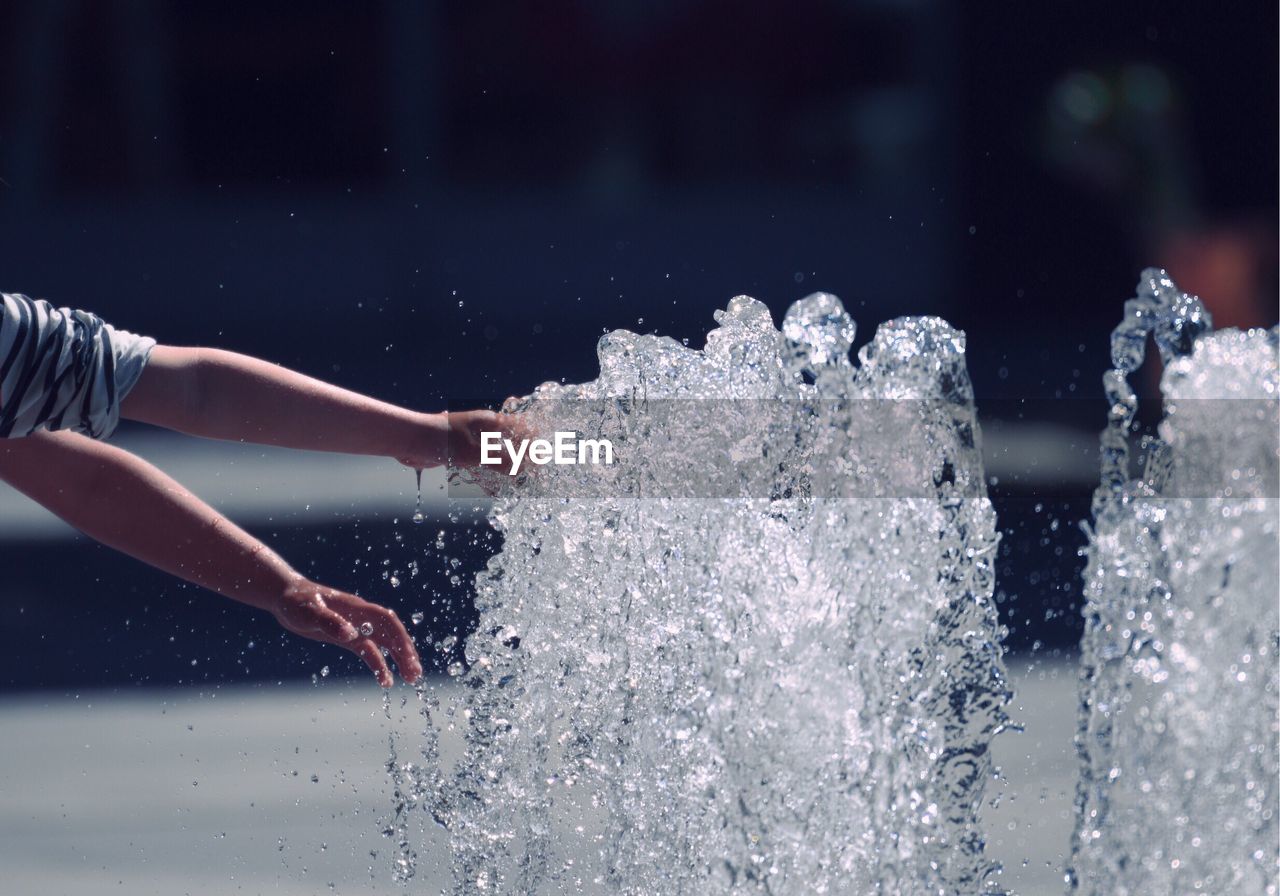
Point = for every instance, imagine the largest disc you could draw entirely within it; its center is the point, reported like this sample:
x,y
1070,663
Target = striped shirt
x,y
63,369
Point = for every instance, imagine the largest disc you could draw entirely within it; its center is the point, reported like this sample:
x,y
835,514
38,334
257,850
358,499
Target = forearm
x,y
223,395
124,502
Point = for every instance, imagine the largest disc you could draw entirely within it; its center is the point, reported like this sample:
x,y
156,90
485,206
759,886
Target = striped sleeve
x,y
63,369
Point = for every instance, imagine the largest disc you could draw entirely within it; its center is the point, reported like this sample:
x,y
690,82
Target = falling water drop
x,y
418,517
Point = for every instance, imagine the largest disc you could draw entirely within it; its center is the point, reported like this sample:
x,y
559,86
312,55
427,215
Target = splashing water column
x,y
761,654
1178,730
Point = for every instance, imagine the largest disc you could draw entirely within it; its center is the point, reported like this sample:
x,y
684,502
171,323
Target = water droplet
x,y
366,628
418,516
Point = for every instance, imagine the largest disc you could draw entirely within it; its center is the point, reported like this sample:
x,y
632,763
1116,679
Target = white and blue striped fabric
x,y
63,369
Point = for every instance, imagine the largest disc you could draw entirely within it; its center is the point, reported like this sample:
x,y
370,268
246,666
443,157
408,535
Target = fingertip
x,y
368,651
409,669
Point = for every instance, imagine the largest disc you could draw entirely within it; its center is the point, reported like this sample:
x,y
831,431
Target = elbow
x,y
172,391
188,372
194,389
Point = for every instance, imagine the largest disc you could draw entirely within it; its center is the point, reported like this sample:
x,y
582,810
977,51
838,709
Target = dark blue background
x,y
428,201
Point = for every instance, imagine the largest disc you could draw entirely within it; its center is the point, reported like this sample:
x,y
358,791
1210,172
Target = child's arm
x,y
126,503
224,395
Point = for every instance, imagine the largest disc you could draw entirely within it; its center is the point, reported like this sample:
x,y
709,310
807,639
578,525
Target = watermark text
x,y
564,448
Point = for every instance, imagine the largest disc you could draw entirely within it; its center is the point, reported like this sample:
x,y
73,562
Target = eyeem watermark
x,y
565,448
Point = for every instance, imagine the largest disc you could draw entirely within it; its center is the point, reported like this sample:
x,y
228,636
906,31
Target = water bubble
x,y
324,671
417,617
366,628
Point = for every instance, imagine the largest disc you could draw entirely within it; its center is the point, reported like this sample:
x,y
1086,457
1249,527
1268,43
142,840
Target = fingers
x,y
368,651
381,627
370,631
514,426
466,430
334,627
389,633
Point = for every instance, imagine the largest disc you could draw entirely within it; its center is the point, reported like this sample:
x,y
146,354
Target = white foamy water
x,y
758,655
1178,734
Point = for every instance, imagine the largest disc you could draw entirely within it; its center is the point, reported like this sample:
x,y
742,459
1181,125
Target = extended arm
x,y
128,504
223,395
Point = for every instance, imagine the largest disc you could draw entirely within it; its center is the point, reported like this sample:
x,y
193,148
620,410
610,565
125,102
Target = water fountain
x,y
1178,729
758,655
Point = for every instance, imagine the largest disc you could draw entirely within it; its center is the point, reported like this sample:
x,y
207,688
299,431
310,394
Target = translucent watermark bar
x,y
856,448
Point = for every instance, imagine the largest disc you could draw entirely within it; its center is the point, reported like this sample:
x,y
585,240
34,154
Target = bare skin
x,y
223,395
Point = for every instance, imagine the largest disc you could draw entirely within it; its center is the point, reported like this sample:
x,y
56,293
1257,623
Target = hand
x,y
335,617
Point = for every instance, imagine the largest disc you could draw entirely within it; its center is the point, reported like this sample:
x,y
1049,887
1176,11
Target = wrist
x,y
270,587
427,441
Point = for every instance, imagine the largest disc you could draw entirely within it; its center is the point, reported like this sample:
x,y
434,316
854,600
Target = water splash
x,y
1178,730
1175,321
763,657
417,789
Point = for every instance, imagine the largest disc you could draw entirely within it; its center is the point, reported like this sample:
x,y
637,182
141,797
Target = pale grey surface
x,y
186,791
1029,831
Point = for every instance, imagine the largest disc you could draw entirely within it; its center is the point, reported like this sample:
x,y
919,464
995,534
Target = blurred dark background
x,y
437,202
